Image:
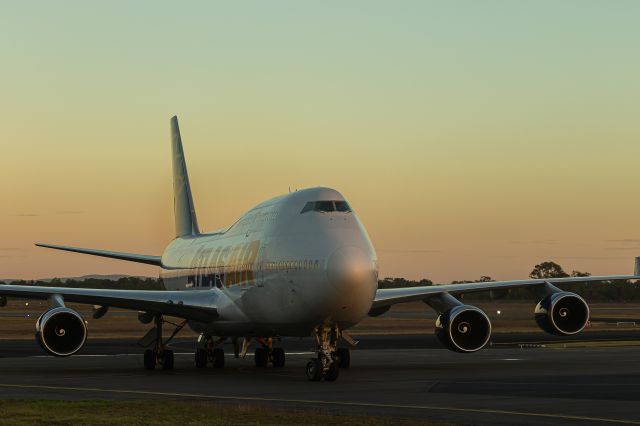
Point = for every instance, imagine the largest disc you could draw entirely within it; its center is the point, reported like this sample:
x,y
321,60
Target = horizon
x,y
471,139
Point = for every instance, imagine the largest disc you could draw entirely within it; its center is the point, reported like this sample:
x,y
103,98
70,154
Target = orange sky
x,y
471,140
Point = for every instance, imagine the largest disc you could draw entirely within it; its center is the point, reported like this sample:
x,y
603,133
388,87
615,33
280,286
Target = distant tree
x,y
548,270
575,273
389,282
483,279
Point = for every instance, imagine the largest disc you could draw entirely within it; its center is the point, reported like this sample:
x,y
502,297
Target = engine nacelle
x,y
463,328
61,331
562,313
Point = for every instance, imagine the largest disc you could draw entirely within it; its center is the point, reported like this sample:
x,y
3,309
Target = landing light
x,y
498,312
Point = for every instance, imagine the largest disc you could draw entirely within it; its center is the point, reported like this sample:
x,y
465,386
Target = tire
x,y
333,373
314,370
261,357
344,357
218,358
278,357
201,358
149,359
167,359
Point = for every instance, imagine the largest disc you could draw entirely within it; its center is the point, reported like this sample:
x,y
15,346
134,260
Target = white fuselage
x,y
282,269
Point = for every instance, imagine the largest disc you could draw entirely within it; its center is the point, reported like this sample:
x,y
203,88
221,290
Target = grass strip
x,y
162,412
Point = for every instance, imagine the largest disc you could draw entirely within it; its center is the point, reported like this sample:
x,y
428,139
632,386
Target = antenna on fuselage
x,y
184,210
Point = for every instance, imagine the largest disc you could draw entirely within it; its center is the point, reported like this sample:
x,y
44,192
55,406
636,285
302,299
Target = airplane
x,y
297,265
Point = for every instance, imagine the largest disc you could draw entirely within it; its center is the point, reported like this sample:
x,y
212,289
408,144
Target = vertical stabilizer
x,y
636,271
184,210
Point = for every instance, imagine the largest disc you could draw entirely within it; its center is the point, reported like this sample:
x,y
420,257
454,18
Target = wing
x,y
198,305
391,296
139,258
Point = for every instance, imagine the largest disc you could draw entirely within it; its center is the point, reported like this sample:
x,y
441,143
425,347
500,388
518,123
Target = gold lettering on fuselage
x,y
224,266
236,264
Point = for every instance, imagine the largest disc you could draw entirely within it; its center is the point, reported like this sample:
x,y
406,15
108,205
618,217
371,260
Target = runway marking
x,y
321,402
511,359
176,353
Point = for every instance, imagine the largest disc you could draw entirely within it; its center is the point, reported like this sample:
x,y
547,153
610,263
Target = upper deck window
x,y
326,206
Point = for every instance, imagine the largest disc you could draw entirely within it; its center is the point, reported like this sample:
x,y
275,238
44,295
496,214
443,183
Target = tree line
x,y
620,291
610,291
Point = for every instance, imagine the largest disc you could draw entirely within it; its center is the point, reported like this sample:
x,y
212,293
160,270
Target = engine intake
x,y
61,331
562,313
463,328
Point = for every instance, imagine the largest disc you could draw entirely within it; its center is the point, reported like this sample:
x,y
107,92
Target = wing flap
x,y
130,257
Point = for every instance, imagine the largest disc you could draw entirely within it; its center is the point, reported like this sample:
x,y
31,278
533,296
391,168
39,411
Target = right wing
x,y
139,258
391,296
198,305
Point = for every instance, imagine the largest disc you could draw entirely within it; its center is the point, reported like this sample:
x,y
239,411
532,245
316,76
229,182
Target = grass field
x,y
17,319
124,413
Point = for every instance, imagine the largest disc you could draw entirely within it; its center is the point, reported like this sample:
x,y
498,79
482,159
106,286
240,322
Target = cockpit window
x,y
342,206
326,206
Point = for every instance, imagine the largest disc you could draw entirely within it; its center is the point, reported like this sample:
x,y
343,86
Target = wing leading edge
x,y
193,305
391,296
130,257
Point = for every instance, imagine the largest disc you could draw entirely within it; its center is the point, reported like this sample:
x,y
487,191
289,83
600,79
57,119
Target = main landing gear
x,y
267,353
160,355
329,358
209,351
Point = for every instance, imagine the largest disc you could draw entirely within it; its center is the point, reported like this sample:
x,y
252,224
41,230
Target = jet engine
x,y
61,331
562,313
463,328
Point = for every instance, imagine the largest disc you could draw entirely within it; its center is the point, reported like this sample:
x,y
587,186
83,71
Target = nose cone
x,y
351,272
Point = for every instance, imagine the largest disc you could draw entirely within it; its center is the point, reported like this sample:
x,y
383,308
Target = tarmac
x,y
520,379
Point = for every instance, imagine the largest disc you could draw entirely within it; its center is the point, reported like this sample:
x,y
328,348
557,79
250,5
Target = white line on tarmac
x,y
176,353
334,403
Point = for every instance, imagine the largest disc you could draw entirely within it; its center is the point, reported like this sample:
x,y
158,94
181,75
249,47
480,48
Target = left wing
x,y
387,297
199,305
131,257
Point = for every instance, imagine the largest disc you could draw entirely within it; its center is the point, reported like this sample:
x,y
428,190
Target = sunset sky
x,y
471,137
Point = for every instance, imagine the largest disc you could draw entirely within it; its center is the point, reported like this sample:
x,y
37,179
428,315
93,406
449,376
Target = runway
x,y
499,385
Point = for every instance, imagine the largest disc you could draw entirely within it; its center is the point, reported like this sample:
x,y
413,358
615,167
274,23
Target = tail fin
x,y
636,271
184,210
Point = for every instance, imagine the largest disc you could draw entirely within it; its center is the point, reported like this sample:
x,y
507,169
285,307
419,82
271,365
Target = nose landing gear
x,y
329,358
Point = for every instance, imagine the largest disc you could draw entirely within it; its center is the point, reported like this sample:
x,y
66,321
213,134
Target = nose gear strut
x,y
327,364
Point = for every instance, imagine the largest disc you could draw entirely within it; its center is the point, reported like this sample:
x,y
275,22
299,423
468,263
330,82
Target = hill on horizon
x,y
112,277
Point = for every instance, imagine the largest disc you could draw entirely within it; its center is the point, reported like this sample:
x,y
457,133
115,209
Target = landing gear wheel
x,y
167,359
201,358
218,358
261,357
314,370
344,357
149,359
278,357
333,373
